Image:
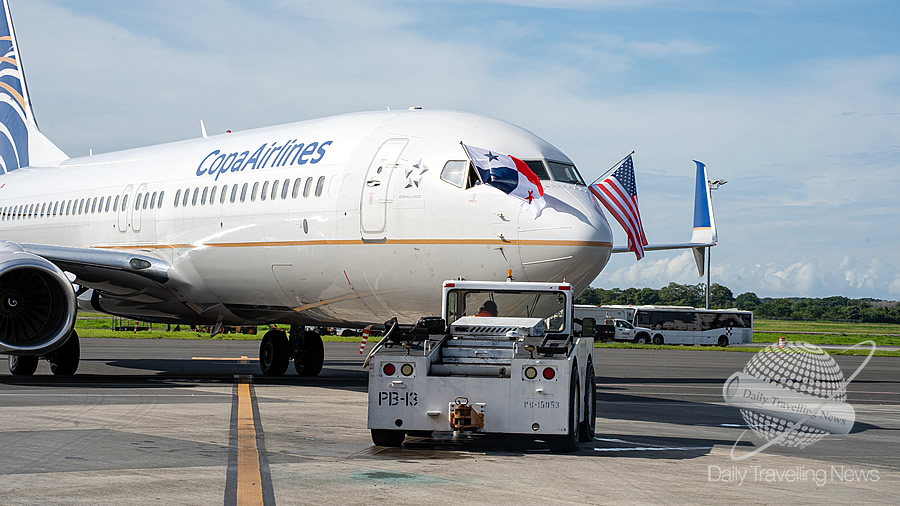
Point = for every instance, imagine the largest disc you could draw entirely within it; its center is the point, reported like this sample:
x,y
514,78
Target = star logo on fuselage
x,y
415,173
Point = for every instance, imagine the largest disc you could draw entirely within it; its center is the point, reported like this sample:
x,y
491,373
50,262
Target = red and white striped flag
x,y
618,192
365,337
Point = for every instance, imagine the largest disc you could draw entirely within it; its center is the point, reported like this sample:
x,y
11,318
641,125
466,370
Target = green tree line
x,y
721,297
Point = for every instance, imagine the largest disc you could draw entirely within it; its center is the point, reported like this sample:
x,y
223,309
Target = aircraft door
x,y
374,199
139,203
124,208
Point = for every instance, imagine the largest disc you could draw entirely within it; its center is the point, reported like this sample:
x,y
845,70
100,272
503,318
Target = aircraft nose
x,y
571,239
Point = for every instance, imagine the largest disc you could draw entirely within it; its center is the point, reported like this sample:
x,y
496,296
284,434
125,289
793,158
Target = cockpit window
x,y
455,172
565,173
538,168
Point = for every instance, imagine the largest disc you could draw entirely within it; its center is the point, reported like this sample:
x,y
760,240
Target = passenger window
x,y
146,198
160,200
253,193
212,195
320,185
224,193
80,206
56,207
285,188
194,197
108,200
265,191
43,208
274,190
124,203
153,201
177,197
184,199
244,192
233,193
454,172
307,187
296,190
100,207
137,201
68,207
203,197
94,206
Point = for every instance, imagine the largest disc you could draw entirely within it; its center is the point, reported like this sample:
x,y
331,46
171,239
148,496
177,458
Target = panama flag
x,y
509,175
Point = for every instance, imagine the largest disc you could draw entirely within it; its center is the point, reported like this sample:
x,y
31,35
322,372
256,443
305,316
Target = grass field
x,y
836,327
884,334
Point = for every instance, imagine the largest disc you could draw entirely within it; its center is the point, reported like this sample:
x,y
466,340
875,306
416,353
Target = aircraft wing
x,y
704,234
115,273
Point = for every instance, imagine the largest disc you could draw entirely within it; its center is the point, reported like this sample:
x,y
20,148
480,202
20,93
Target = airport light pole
x,y
714,184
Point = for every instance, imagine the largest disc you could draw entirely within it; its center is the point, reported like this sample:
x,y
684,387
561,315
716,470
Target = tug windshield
x,y
549,306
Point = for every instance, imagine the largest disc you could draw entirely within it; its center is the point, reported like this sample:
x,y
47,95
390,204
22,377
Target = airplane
x,y
340,221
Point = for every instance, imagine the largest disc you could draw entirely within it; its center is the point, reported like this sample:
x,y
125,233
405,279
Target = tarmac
x,y
194,422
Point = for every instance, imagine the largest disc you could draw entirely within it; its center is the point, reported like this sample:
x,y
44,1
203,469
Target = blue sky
x,y
795,103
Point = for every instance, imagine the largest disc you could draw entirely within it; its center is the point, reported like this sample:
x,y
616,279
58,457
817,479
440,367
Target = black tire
x,y
569,442
658,340
22,365
274,353
723,341
311,355
589,424
348,333
389,438
641,339
65,359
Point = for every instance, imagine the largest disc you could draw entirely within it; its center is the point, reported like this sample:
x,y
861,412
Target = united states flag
x,y
618,192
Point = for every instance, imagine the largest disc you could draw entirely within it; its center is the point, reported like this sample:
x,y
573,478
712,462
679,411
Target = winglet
x,y
704,219
21,142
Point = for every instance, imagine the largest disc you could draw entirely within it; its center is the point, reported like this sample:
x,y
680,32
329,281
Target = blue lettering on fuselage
x,y
290,153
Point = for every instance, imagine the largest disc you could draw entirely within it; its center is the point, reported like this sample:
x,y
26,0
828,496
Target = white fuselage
x,y
369,233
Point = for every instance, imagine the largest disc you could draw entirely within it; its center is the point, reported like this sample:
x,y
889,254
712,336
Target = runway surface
x,y
175,422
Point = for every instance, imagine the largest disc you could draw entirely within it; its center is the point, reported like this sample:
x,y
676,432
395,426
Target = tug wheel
x,y
390,438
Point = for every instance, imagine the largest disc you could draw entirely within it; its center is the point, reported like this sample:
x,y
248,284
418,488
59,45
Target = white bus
x,y
685,325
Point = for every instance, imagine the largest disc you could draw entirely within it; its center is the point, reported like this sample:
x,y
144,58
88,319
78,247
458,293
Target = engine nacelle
x,y
37,303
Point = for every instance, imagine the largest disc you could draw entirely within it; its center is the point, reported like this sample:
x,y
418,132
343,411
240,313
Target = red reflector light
x,y
449,285
389,369
549,373
565,287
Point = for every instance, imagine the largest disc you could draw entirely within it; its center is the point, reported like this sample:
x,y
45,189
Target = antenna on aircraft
x,y
202,129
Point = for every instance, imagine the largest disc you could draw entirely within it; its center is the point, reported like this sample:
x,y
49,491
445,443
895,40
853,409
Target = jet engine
x,y
37,303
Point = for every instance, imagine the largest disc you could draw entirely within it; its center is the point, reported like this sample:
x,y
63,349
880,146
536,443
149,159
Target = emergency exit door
x,y
375,193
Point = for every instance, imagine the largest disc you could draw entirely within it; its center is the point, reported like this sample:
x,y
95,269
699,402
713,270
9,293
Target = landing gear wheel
x,y
385,437
569,442
64,360
642,339
310,355
274,353
723,341
589,424
22,366
658,340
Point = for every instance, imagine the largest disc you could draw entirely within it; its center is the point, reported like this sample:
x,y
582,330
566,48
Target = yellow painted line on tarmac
x,y
249,480
242,358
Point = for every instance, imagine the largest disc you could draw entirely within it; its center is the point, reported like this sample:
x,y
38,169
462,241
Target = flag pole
x,y
469,156
615,166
